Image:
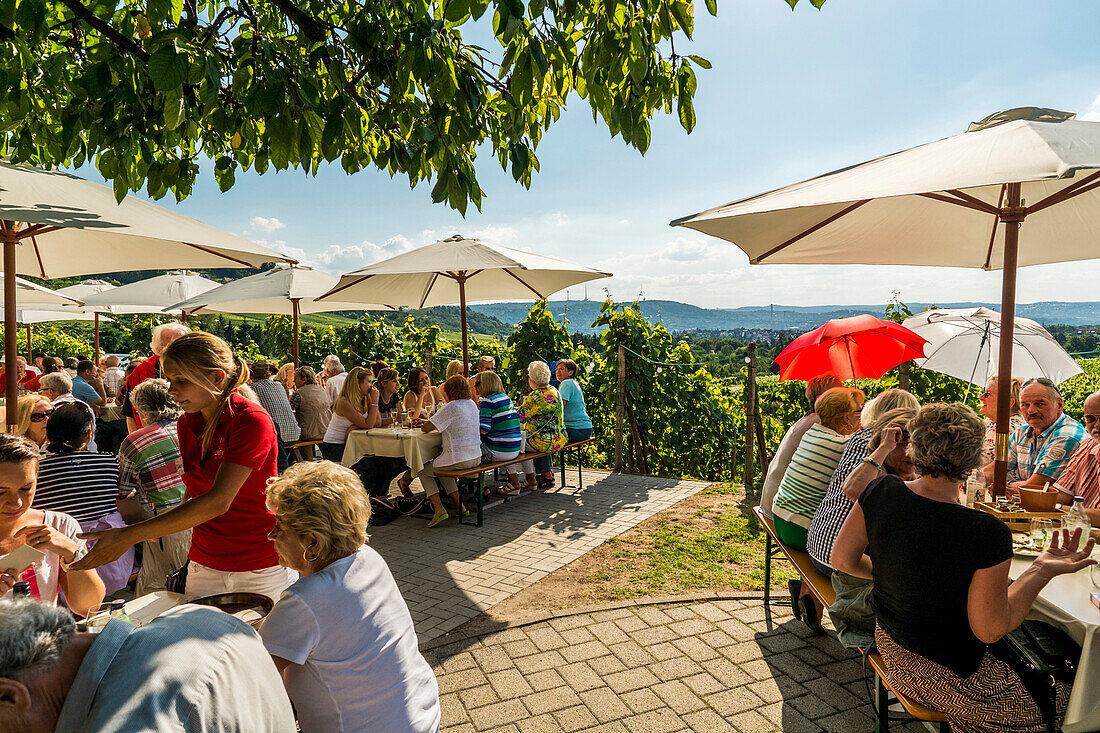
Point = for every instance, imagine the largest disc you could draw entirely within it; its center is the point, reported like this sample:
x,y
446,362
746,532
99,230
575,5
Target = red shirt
x,y
237,540
147,369
25,382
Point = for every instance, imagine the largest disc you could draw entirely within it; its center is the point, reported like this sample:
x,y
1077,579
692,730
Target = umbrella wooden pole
x,y
294,310
95,320
10,237
30,354
1012,216
462,315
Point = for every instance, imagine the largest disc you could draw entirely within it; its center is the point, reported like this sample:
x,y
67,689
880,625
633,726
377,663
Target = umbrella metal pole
x,y
10,237
294,311
1012,215
462,315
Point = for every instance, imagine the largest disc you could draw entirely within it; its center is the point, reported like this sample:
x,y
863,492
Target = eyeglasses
x,y
40,416
1092,418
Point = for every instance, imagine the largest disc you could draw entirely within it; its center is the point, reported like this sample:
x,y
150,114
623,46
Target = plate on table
x,y
1024,548
248,607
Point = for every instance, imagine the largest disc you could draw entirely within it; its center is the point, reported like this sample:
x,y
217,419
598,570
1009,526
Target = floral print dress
x,y
544,420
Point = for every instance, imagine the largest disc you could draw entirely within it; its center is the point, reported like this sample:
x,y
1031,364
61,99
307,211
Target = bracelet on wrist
x,y
876,464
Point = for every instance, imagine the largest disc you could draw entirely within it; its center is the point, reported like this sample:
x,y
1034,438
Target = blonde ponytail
x,y
195,356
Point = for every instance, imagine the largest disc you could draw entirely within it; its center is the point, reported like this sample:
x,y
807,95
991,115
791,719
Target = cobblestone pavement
x,y
451,573
708,667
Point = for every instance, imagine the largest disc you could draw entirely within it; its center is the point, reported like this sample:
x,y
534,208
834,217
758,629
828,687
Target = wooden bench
x,y
576,446
822,589
478,472
305,444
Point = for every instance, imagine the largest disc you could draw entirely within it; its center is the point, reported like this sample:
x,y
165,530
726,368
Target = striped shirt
x,y
812,466
1045,453
835,506
82,484
499,423
150,465
1082,473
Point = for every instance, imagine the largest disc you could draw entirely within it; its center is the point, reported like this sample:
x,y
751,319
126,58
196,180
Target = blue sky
x,y
791,95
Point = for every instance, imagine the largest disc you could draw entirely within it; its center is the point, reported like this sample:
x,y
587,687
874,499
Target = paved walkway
x,y
451,573
707,667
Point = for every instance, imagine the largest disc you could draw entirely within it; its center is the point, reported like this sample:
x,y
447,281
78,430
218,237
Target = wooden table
x,y
1065,603
412,444
111,412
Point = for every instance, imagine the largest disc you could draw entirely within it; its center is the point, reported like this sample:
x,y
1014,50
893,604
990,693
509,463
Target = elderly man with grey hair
x,y
163,336
333,377
151,480
58,389
212,673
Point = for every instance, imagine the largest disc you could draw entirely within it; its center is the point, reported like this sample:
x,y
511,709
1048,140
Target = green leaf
x,y
712,6
30,15
174,108
682,11
700,61
168,68
686,111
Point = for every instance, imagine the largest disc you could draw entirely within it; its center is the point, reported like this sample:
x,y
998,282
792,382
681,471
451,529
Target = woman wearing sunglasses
x,y
34,411
989,412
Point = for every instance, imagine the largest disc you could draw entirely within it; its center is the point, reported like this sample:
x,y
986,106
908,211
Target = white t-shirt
x,y
458,422
333,386
350,637
44,574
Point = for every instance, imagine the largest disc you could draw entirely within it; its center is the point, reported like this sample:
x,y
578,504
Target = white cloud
x,y
264,224
1094,111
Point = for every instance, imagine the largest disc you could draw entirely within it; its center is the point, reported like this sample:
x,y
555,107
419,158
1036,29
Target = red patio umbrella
x,y
860,346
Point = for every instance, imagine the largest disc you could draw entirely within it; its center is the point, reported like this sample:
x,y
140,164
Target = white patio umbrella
x,y
76,227
962,201
32,294
286,290
460,270
965,343
154,294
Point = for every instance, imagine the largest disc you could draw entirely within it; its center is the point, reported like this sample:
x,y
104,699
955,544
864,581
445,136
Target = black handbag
x,y
1043,655
176,581
382,511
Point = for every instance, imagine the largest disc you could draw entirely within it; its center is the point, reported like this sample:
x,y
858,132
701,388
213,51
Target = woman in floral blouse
x,y
543,421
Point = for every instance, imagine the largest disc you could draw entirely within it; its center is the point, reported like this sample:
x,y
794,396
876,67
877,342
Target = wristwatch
x,y
81,551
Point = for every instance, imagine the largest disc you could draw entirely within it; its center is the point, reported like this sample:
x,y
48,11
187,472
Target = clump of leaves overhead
x,y
144,87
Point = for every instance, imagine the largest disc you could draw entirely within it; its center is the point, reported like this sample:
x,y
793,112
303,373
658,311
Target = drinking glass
x,y
1040,532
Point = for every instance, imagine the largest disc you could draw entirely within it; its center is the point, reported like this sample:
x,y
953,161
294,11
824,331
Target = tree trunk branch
x,y
106,29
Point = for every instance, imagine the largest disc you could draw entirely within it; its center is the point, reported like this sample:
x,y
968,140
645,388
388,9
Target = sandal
x,y
507,491
809,614
440,516
794,585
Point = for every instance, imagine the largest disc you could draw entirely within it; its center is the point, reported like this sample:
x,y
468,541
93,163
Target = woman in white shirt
x,y
355,408
52,533
458,422
342,636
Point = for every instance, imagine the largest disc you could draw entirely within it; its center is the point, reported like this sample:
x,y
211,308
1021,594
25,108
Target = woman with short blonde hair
x,y
543,418
34,411
343,627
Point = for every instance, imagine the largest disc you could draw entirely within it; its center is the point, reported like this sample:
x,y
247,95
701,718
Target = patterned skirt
x,y
994,698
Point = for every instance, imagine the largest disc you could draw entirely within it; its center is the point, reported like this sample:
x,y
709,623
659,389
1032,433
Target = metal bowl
x,y
239,603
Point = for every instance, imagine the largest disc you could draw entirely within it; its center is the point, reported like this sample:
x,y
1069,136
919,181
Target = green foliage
x,y
145,89
50,340
366,340
537,338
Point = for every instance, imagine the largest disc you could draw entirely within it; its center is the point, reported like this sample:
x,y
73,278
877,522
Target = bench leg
x,y
480,498
563,468
768,580
882,711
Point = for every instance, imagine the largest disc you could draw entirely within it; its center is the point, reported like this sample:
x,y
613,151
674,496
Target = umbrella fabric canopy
x,y
964,343
284,290
29,316
33,294
460,270
1018,188
860,346
76,227
152,295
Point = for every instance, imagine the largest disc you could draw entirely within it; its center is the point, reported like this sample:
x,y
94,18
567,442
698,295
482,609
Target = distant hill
x,y
678,316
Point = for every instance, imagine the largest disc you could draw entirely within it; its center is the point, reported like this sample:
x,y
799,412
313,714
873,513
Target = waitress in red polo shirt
x,y
229,449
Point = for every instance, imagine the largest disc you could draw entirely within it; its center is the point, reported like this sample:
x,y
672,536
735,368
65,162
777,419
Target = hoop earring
x,y
307,558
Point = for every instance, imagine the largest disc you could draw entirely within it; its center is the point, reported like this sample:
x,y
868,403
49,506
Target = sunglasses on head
x,y
40,416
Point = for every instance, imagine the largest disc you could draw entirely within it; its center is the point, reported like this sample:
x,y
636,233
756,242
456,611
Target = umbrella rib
x,y
977,204
38,255
809,231
428,290
211,251
334,291
525,284
996,223
1068,192
973,200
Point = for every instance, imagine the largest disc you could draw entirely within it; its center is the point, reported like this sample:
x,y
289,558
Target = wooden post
x,y
95,328
462,315
761,444
903,375
620,399
30,354
10,238
1012,216
749,395
294,310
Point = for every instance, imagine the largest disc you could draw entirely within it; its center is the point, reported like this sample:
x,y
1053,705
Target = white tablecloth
x,y
1065,603
414,445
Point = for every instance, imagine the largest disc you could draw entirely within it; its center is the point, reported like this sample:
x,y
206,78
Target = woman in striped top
x,y
500,428
807,478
